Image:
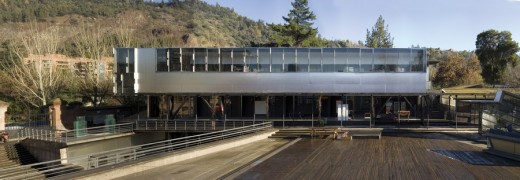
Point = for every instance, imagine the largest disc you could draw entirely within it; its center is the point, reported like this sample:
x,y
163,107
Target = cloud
x,y
513,0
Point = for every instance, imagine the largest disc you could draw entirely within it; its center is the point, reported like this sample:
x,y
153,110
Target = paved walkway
x,y
213,165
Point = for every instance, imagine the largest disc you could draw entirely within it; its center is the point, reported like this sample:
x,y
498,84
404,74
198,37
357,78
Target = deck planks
x,y
395,156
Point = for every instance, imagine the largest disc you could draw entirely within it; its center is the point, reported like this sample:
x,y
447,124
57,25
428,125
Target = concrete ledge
x,y
112,172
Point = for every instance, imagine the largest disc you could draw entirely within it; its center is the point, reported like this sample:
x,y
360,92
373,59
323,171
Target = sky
x,y
445,24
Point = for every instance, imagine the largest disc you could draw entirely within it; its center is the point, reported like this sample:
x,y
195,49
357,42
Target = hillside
x,y
135,23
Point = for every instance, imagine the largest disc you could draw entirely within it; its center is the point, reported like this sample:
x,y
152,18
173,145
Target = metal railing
x,y
72,135
116,156
193,125
27,120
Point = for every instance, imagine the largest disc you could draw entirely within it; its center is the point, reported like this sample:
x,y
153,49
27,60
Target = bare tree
x,y
38,80
93,45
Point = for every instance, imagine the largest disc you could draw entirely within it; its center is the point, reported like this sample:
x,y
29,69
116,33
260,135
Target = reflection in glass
x,y
264,59
392,58
175,59
404,64
226,61
302,58
187,60
213,60
238,59
327,60
289,60
200,59
314,60
353,60
251,60
162,60
340,62
277,60
366,60
379,60
418,60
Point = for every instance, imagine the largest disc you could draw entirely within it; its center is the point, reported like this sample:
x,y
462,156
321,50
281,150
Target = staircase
x,y
291,133
15,164
11,161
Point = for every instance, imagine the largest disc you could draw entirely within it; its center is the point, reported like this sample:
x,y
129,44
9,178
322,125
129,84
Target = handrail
x,y
65,136
116,156
183,125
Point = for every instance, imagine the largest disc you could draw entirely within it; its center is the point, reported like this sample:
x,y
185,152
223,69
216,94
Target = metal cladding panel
x,y
231,83
150,81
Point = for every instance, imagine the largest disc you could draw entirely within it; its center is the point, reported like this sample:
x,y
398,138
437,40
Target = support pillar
x,y
3,118
372,110
55,109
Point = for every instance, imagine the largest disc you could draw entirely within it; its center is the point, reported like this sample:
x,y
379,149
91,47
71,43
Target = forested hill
x,y
179,23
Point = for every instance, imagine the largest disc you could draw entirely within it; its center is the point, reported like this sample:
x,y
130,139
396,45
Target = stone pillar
x,y
3,109
55,110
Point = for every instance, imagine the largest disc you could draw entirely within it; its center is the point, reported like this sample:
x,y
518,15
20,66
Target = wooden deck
x,y
395,156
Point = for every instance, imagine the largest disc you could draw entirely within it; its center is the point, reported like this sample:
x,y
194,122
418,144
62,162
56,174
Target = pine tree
x,y
298,30
379,37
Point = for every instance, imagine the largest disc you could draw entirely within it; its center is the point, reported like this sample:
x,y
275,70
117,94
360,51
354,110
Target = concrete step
x,y
22,172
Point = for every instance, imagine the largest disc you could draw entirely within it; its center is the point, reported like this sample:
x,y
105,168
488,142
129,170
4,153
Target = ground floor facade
x,y
288,107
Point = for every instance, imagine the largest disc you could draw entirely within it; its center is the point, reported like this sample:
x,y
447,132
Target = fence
x,y
27,120
187,125
106,158
72,135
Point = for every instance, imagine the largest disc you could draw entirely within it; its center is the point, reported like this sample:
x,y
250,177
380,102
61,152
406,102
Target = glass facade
x,y
278,60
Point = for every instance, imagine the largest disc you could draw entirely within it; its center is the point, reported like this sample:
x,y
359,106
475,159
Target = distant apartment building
x,y
81,66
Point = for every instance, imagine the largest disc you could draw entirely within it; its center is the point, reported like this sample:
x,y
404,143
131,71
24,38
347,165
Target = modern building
x,y
275,83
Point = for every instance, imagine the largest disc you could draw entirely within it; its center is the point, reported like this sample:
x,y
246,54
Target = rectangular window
x,y
251,60
302,58
328,60
200,59
226,59
239,60
392,60
405,61
289,60
187,60
213,60
353,60
366,60
175,59
162,60
314,60
277,60
340,62
418,56
264,60
379,60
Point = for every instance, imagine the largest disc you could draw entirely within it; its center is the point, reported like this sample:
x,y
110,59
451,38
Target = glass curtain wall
x,y
277,60
264,60
175,59
187,60
340,60
213,59
239,60
200,59
226,59
302,58
315,60
288,60
327,60
251,60
366,60
353,60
